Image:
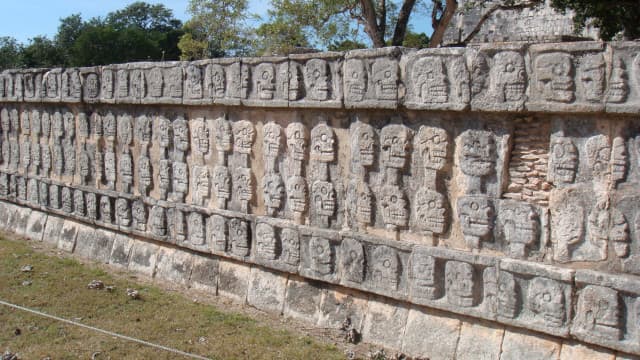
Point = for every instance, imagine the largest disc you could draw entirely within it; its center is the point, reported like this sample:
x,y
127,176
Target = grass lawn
x,y
57,285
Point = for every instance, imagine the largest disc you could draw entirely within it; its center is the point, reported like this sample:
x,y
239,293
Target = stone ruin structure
x,y
444,202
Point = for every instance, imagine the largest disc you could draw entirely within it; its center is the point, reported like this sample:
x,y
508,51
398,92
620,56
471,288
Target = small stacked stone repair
x,y
499,182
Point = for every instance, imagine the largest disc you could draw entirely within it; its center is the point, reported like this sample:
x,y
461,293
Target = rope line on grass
x,y
106,332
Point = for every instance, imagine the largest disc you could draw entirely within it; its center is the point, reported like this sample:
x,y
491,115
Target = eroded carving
x,y
476,214
546,301
239,237
519,224
598,313
218,232
317,79
202,185
563,161
385,268
430,211
321,256
222,185
460,283
423,275
158,221
290,247
196,229
352,260
139,214
273,192
554,77
266,241
394,206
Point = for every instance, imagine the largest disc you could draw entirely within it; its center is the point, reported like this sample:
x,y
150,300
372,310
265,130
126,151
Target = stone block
x,y
204,274
174,266
488,348
572,351
385,323
121,251
337,306
67,238
303,299
52,229
266,290
94,244
36,225
233,281
430,334
143,258
4,214
372,78
20,220
520,345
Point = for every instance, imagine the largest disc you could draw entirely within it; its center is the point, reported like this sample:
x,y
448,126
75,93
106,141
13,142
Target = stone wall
x,y
489,191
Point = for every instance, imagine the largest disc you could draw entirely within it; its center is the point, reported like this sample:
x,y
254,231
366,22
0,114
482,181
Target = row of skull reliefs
x,y
565,77
522,294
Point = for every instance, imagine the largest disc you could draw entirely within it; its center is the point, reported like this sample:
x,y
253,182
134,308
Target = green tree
x,y
42,52
154,18
10,53
222,26
611,17
70,28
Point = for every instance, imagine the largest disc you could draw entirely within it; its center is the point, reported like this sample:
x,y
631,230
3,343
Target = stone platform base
x,y
414,330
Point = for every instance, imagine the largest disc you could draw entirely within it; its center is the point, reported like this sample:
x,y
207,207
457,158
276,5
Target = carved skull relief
x,y
321,255
243,136
266,241
384,272
290,247
181,134
476,215
273,190
546,300
324,198
395,146
563,160
222,182
598,313
316,79
430,211
218,225
460,283
297,137
265,81
363,143
423,275
477,153
431,84
394,206
222,134
432,143
271,139
554,77
215,80
592,77
385,79
618,88
508,77
352,260
355,79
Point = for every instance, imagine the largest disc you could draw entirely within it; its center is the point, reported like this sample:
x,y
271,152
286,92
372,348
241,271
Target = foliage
x,y
10,53
42,52
612,17
152,18
222,26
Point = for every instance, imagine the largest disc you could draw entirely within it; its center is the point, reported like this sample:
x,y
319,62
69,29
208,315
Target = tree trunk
x,y
371,23
443,23
400,31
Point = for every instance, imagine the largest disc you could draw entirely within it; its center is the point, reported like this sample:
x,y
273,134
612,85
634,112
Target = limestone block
x,y
302,300
572,350
91,84
204,274
51,86
174,266
36,225
267,290
520,345
163,82
233,281
5,214
340,305
623,90
567,77
20,220
108,84
385,323
268,83
95,245
68,233
372,78
143,258
435,79
121,251
52,229
479,341
315,80
429,334
32,84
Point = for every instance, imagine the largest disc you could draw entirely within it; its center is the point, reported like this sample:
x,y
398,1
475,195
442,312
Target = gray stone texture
x,y
68,234
266,290
385,323
521,345
174,266
121,251
204,274
479,341
432,335
36,225
52,229
143,258
233,281
302,300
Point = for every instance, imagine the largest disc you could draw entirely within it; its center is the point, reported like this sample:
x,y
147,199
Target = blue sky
x,y
28,18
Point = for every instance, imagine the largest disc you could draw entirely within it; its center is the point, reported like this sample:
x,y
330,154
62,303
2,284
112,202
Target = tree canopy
x,y
621,17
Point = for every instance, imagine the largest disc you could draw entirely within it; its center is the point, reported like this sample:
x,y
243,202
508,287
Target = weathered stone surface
x,y
121,251
19,221
67,235
174,266
385,323
52,229
96,245
143,258
571,350
204,274
233,281
479,341
431,334
35,225
266,290
519,345
340,305
302,300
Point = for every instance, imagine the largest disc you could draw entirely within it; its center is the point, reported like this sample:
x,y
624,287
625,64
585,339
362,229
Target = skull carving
x,y
243,136
500,292
215,80
164,173
125,129
322,143
297,140
324,198
222,182
201,192
567,229
194,82
476,215
200,134
158,221
423,275
175,82
123,83
243,184
546,300
316,78
477,153
67,197
290,247
266,241
598,154
107,83
222,134
363,143
164,131
432,143
394,206
156,82
352,260
126,168
554,77
598,313
273,190
218,232
181,134
385,268
297,194
140,215
195,223
592,77
106,210
508,77
123,211
460,283
355,80
239,236
385,79
563,161
180,177
364,204
519,223
296,82
321,254
92,86
265,81
618,88
431,82
395,144
430,211
143,128
271,140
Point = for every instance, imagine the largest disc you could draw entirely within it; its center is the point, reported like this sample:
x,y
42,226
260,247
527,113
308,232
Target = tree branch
x,y
382,24
403,19
371,23
440,24
499,6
